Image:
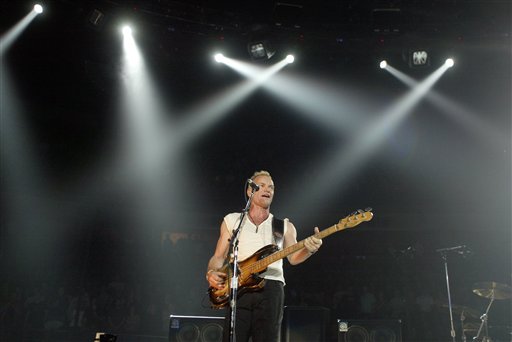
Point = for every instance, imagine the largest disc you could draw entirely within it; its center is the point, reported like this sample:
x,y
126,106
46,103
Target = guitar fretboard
x,y
262,264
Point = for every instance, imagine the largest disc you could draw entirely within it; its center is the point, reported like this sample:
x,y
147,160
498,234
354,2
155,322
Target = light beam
x,y
468,119
207,113
337,171
317,100
9,37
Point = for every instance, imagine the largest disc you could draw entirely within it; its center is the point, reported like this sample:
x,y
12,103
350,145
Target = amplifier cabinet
x,y
378,330
195,328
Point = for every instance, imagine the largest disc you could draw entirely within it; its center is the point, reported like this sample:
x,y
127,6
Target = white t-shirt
x,y
252,238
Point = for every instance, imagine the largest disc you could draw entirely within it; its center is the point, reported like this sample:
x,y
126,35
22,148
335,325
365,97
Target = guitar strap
x,y
278,231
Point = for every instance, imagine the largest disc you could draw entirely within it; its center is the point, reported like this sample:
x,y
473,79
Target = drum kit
x,y
490,290
480,331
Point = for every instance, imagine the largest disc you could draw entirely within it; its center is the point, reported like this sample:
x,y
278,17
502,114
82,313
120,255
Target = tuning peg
x,y
368,209
360,211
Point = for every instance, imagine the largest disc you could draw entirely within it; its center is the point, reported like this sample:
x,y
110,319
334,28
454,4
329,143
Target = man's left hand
x,y
313,243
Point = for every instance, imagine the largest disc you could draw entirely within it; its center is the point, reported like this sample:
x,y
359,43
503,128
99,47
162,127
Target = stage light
x,y
131,51
419,58
219,57
257,50
290,59
383,64
127,30
38,8
260,50
449,62
96,18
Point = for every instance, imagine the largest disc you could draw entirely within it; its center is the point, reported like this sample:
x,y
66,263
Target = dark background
x,y
78,234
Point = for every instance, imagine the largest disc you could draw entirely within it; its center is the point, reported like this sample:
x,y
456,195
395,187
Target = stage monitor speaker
x,y
304,324
378,330
195,328
104,337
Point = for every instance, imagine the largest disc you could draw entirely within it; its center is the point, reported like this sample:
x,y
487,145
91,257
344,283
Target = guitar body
x,y
250,268
247,281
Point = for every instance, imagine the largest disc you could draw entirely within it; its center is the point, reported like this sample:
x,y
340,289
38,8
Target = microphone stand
x,y
233,293
444,255
445,258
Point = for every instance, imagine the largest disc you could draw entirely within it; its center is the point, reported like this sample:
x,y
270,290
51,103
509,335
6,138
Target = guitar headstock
x,y
355,218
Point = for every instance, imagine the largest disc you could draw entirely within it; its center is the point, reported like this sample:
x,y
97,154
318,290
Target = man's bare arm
x,y
215,278
311,245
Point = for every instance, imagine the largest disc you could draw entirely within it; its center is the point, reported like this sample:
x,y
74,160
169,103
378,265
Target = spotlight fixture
x,y
96,18
419,58
290,59
38,8
383,64
260,50
127,30
449,62
219,57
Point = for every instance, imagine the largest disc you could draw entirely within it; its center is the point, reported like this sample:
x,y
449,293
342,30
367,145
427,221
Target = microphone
x,y
452,249
253,185
461,250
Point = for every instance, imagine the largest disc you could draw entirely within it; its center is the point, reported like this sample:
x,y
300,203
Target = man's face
x,y
263,197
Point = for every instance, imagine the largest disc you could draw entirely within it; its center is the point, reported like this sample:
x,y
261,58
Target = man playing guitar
x,y
259,311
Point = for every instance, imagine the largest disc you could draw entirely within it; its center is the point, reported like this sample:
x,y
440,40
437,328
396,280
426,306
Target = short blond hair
x,y
260,173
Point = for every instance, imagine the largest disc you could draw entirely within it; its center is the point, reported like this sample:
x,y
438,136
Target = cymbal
x,y
459,309
488,288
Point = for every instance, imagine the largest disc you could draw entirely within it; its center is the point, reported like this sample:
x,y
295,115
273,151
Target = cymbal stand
x,y
462,319
484,322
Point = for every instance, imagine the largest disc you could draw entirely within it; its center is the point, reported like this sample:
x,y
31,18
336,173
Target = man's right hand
x,y
216,279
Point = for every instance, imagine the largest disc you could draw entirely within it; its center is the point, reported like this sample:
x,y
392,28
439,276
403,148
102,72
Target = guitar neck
x,y
262,264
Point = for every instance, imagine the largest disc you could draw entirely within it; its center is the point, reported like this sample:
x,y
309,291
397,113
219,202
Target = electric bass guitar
x,y
253,266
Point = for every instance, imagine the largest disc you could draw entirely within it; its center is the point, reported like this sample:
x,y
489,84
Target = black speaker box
x,y
378,330
304,324
195,328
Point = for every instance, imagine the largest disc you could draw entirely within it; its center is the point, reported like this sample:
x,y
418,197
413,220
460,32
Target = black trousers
x,y
259,314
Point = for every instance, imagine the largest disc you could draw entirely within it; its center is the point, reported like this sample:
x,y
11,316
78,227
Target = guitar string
x,y
291,249
321,234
